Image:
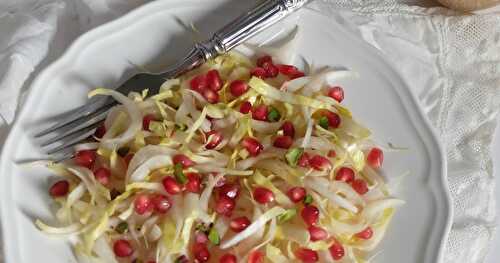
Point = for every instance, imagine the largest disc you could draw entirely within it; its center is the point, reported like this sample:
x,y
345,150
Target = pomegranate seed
x,y
288,129
201,238
264,59
336,251
259,72
146,120
367,233
211,96
263,195
252,146
271,70
345,174
183,159
224,206
245,107
320,163
142,204
214,81
122,248
298,74
283,142
260,113
296,194
239,224
333,119
100,131
85,158
332,154
198,83
193,184
310,214
102,175
228,258
307,255
360,186
230,190
238,88
336,93
60,188
128,157
287,70
317,233
171,185
201,253
161,203
375,158
215,137
256,257
304,160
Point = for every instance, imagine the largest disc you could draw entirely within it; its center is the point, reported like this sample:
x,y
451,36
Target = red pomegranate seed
x,y
171,185
228,258
100,131
307,255
336,251
320,163
345,174
360,186
102,175
230,190
128,157
283,142
201,238
146,120
198,83
193,184
336,93
333,119
259,72
256,257
296,194
239,224
245,107
60,188
211,96
317,233
85,158
224,206
263,195
183,159
288,129
260,113
332,154
214,81
271,70
310,214
304,160
252,146
298,74
161,203
288,70
264,59
142,204
238,87
122,248
201,253
375,157
367,233
214,137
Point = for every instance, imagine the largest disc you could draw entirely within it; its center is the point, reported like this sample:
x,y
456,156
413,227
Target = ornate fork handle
x,y
254,21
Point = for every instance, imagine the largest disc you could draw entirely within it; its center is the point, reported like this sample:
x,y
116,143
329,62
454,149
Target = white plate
x,y
151,36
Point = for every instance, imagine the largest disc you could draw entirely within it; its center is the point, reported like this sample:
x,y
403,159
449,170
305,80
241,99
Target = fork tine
x,y
71,140
80,114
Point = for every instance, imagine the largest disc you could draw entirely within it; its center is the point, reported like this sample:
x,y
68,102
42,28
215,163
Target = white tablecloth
x,y
451,62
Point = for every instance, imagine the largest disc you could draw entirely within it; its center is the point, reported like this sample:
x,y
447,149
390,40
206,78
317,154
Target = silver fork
x,y
77,125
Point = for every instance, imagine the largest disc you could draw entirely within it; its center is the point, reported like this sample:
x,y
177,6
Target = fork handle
x,y
245,26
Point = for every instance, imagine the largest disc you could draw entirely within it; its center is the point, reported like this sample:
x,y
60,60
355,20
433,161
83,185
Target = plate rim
x,y
134,16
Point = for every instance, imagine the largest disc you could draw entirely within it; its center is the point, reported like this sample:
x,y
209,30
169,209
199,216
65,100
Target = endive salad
x,y
241,160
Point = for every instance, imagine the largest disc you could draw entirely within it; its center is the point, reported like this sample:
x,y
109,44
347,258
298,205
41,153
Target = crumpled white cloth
x,y
451,61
